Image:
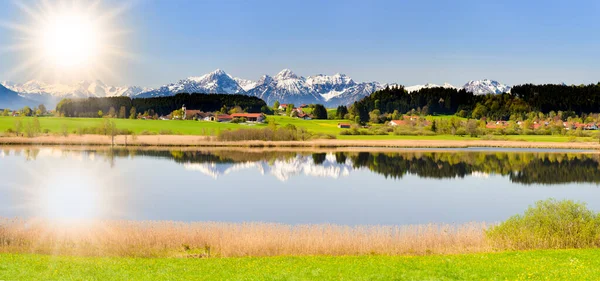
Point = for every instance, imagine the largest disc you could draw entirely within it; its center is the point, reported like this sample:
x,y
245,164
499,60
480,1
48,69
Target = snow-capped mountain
x,y
82,89
9,98
216,82
245,83
486,86
352,94
285,87
283,170
330,84
415,88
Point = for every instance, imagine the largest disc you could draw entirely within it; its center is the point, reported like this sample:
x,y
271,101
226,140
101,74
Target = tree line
x,y
126,107
391,102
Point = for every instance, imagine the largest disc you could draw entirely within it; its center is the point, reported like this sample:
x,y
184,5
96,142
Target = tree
x,y
433,126
289,109
276,105
177,114
6,112
132,113
100,113
42,108
112,112
374,116
320,112
122,112
341,111
471,128
110,129
26,111
236,109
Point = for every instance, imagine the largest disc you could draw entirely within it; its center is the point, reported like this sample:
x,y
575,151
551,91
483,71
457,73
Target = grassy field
x,y
531,265
55,125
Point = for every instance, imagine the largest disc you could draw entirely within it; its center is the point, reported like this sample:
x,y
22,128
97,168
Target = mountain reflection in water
x,y
519,167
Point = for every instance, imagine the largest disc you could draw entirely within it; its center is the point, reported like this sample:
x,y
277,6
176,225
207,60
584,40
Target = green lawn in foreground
x,y
534,265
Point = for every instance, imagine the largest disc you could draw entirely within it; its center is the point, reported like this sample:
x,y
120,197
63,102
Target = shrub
x,y
550,224
165,132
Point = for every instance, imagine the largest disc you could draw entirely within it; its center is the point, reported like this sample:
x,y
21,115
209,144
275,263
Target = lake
x,y
354,187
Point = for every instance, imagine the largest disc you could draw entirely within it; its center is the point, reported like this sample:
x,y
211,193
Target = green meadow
x,y
189,127
528,265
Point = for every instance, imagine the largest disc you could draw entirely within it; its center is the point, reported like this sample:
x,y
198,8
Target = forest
x,y
523,99
125,107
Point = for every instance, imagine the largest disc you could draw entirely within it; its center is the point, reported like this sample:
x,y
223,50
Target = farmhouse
x,y
221,118
191,114
250,117
397,122
283,106
496,125
304,116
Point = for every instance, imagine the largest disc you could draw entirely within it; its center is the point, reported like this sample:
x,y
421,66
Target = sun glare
x,y
66,202
76,39
70,40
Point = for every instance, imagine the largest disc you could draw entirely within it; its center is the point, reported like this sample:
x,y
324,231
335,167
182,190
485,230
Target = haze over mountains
x,y
285,87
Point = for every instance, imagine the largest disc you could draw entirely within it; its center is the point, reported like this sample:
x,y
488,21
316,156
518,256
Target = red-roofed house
x,y
250,117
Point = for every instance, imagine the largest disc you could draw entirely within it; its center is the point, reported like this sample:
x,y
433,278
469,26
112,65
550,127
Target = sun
x,y
70,40
75,39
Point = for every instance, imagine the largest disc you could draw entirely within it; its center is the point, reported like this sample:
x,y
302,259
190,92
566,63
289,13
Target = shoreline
x,y
203,141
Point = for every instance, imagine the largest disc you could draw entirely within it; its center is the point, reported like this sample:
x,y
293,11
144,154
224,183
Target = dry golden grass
x,y
203,141
174,239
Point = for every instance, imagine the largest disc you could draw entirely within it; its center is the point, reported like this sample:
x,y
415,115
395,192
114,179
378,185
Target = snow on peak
x,y
81,89
486,86
415,88
286,74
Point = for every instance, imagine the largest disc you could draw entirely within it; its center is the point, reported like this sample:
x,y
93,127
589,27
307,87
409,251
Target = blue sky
x,y
408,42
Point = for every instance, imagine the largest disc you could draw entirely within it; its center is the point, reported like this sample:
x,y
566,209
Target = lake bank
x,y
204,141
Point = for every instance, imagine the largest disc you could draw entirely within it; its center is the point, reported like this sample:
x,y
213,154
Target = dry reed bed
x,y
203,141
175,239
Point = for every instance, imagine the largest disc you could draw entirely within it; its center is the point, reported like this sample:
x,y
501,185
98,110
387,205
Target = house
x,y
408,120
250,117
397,122
304,116
221,118
496,125
208,117
283,106
191,114
344,125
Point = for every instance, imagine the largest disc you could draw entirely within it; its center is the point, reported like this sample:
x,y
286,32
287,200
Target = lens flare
x,y
68,40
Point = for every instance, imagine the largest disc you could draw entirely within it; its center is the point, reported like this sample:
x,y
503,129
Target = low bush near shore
x,y
549,224
287,133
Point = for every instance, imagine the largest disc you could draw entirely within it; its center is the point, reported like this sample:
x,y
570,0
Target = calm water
x,y
390,187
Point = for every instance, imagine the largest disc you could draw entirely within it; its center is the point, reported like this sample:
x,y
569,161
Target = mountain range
x,y
285,87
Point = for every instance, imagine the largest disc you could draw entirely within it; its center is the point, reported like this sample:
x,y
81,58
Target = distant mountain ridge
x,y
285,87
82,89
